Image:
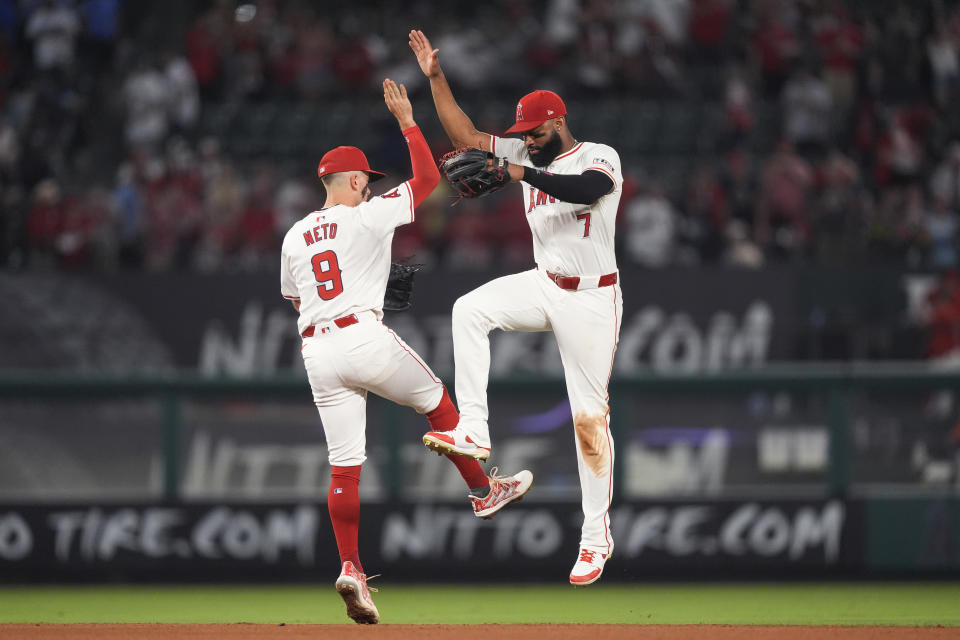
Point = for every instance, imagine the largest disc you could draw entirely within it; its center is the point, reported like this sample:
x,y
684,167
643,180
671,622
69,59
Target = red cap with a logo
x,y
536,108
346,159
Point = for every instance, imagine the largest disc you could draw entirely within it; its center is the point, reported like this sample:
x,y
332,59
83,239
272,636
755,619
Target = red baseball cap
x,y
536,108
346,159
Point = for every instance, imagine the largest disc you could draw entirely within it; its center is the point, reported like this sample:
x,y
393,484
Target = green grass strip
x,y
905,604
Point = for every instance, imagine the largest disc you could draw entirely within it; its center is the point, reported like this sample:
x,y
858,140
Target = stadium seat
x,y
293,133
767,129
639,126
258,119
216,119
679,128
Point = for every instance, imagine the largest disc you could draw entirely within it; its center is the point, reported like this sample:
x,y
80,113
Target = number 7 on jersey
x,y
586,223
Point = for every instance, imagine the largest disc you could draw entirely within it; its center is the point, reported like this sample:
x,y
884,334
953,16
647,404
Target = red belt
x,y
343,322
572,282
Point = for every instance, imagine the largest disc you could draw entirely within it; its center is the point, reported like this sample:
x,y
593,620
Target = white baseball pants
x,y
343,364
586,325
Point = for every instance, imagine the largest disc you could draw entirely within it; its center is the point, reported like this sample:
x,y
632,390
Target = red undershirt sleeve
x,y
426,176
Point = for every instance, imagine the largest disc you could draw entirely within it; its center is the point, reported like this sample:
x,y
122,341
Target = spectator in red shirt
x,y
46,217
705,216
257,242
943,323
840,44
203,52
776,48
352,64
781,223
708,23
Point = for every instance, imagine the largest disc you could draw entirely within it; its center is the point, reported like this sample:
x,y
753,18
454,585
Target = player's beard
x,y
548,151
365,194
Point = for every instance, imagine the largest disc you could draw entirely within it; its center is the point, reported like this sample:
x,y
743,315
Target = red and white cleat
x,y
588,568
503,491
352,587
456,442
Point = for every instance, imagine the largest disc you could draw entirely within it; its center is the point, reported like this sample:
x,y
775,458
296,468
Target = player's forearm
x,y
456,123
426,176
585,188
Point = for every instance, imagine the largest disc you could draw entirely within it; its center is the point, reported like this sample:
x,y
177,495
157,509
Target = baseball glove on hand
x,y
399,286
474,172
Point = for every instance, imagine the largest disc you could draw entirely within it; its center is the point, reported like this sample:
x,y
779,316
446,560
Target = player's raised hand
x,y
395,96
426,55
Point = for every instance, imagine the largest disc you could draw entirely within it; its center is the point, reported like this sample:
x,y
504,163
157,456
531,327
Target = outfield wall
x,y
780,473
716,539
141,437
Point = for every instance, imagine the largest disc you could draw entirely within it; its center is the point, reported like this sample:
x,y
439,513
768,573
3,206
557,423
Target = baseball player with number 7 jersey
x,y
571,191
334,268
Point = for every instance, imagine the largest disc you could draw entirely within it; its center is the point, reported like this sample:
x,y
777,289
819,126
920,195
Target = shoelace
x,y
498,482
367,579
586,555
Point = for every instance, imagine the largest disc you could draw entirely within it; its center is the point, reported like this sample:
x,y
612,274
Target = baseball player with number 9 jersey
x,y
335,264
571,191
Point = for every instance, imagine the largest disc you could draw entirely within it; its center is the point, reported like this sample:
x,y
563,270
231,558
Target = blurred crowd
x,y
837,141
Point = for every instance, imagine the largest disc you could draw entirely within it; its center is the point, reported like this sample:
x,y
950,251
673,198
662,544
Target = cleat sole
x,y
355,610
588,582
490,516
442,448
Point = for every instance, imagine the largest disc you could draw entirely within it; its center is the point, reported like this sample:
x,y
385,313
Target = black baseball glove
x,y
474,172
399,286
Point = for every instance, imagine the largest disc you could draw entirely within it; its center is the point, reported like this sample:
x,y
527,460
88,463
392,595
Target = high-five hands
x,y
395,96
426,55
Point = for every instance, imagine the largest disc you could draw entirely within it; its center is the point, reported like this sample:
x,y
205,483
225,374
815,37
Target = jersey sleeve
x,y
288,286
510,148
605,159
390,210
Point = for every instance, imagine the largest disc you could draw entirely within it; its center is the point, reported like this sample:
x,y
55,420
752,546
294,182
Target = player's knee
x,y
346,460
594,441
346,454
466,309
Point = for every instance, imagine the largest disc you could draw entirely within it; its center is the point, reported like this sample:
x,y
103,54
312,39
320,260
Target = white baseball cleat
x,y
352,587
503,491
588,567
456,442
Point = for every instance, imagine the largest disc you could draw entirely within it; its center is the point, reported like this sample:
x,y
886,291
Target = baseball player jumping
x,y
334,268
571,190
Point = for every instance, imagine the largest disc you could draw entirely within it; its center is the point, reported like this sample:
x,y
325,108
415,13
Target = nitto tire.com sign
x,y
221,542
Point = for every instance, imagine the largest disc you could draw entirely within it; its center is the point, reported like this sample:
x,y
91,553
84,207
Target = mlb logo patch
x,y
338,490
604,162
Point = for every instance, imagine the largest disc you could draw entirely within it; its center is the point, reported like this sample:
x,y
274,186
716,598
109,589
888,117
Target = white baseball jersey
x,y
336,261
570,239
